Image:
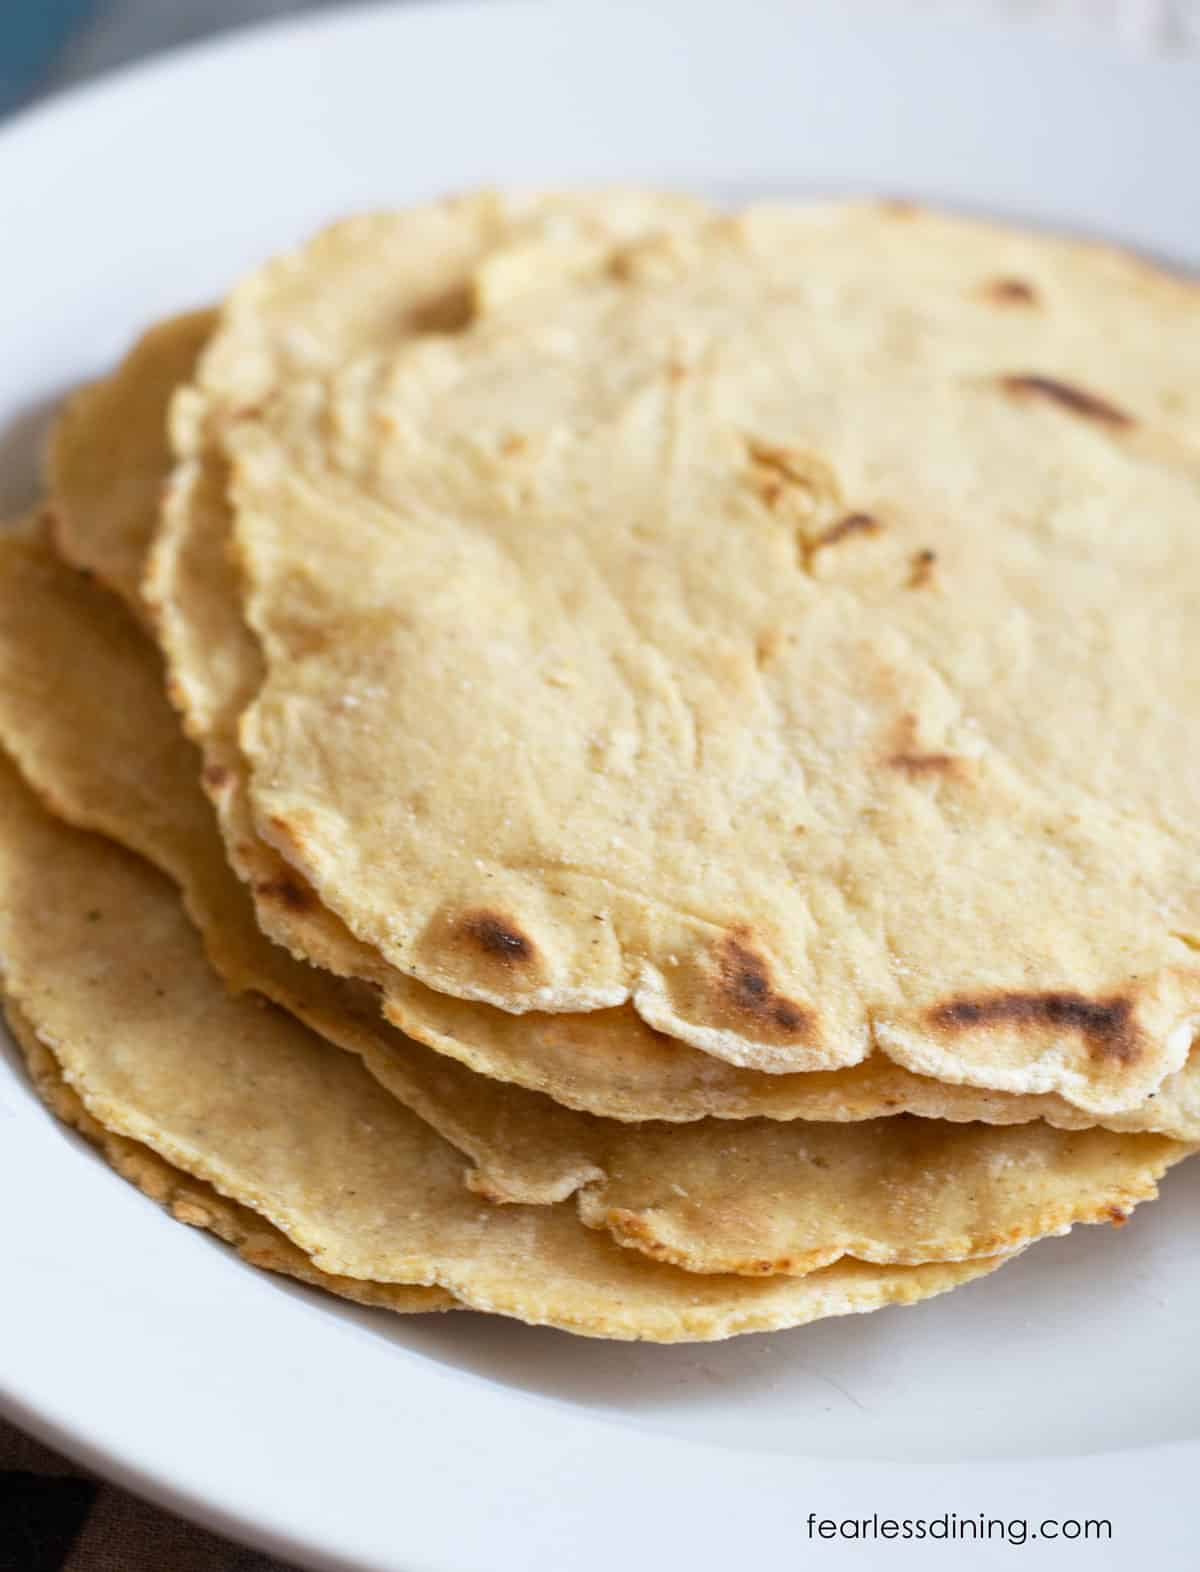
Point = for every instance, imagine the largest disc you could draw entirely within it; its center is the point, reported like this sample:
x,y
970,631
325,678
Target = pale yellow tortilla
x,y
375,279
607,1062
81,709
193,1202
605,658
108,456
102,964
596,1079
368,281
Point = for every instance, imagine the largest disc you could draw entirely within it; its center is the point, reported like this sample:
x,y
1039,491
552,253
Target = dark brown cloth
x,y
55,1517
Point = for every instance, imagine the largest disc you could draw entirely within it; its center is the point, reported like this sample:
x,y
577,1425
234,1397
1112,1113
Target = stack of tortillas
x,y
620,765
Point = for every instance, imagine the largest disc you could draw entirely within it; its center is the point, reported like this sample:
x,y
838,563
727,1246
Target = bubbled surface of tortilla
x,y
777,626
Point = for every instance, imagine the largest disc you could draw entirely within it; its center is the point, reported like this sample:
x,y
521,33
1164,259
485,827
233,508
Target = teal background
x,y
31,34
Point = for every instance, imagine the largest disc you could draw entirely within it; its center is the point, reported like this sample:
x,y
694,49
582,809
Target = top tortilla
x,y
603,1062
606,1062
781,626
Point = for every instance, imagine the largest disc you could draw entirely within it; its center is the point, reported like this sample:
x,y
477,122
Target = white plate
x,y
1065,1387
